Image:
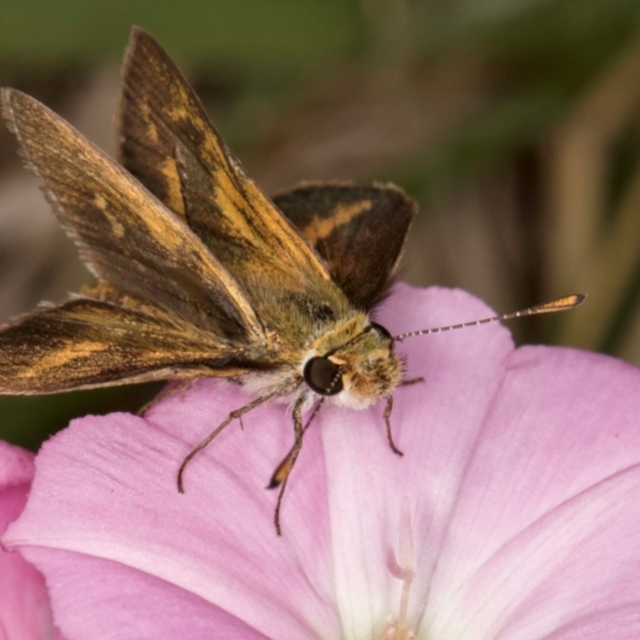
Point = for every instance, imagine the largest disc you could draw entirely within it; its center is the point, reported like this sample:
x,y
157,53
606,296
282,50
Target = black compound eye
x,y
323,376
380,330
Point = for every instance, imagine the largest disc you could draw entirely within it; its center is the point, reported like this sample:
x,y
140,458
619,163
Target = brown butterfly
x,y
199,273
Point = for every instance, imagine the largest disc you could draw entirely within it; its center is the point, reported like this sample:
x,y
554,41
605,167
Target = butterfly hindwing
x,y
359,230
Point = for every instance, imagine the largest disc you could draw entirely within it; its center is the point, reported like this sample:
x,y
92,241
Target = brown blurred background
x,y
514,123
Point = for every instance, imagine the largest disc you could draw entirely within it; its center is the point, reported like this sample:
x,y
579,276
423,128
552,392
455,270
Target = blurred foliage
x,y
513,122
273,37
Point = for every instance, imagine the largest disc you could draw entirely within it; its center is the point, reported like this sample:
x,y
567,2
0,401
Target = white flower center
x,y
401,566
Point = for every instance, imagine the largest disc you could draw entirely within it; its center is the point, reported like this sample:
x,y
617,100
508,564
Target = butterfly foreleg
x,y
282,472
387,415
236,414
281,475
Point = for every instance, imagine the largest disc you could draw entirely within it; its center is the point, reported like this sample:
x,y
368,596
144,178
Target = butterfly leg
x,y
410,381
387,415
237,413
281,475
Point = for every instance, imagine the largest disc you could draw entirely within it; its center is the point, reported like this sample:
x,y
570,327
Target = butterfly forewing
x,y
126,236
89,343
168,141
146,135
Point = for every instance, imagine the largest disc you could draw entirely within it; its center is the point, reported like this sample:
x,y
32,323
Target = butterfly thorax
x,y
351,361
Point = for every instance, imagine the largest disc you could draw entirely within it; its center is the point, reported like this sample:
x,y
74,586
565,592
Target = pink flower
x,y
514,513
25,613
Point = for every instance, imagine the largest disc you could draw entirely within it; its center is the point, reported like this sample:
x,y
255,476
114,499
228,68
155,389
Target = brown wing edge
x,y
146,147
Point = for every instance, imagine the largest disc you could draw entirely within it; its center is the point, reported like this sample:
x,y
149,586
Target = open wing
x,y
87,343
169,143
359,230
127,237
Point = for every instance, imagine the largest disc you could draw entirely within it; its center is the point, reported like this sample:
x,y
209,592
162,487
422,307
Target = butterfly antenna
x,y
561,304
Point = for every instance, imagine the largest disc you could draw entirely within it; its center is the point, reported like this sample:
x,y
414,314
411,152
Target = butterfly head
x,y
358,372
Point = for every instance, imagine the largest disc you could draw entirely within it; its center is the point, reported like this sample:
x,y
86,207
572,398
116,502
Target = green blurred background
x,y
513,122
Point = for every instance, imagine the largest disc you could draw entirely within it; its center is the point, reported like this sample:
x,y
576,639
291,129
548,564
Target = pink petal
x,y
16,466
24,604
436,423
549,501
101,598
105,520
483,464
